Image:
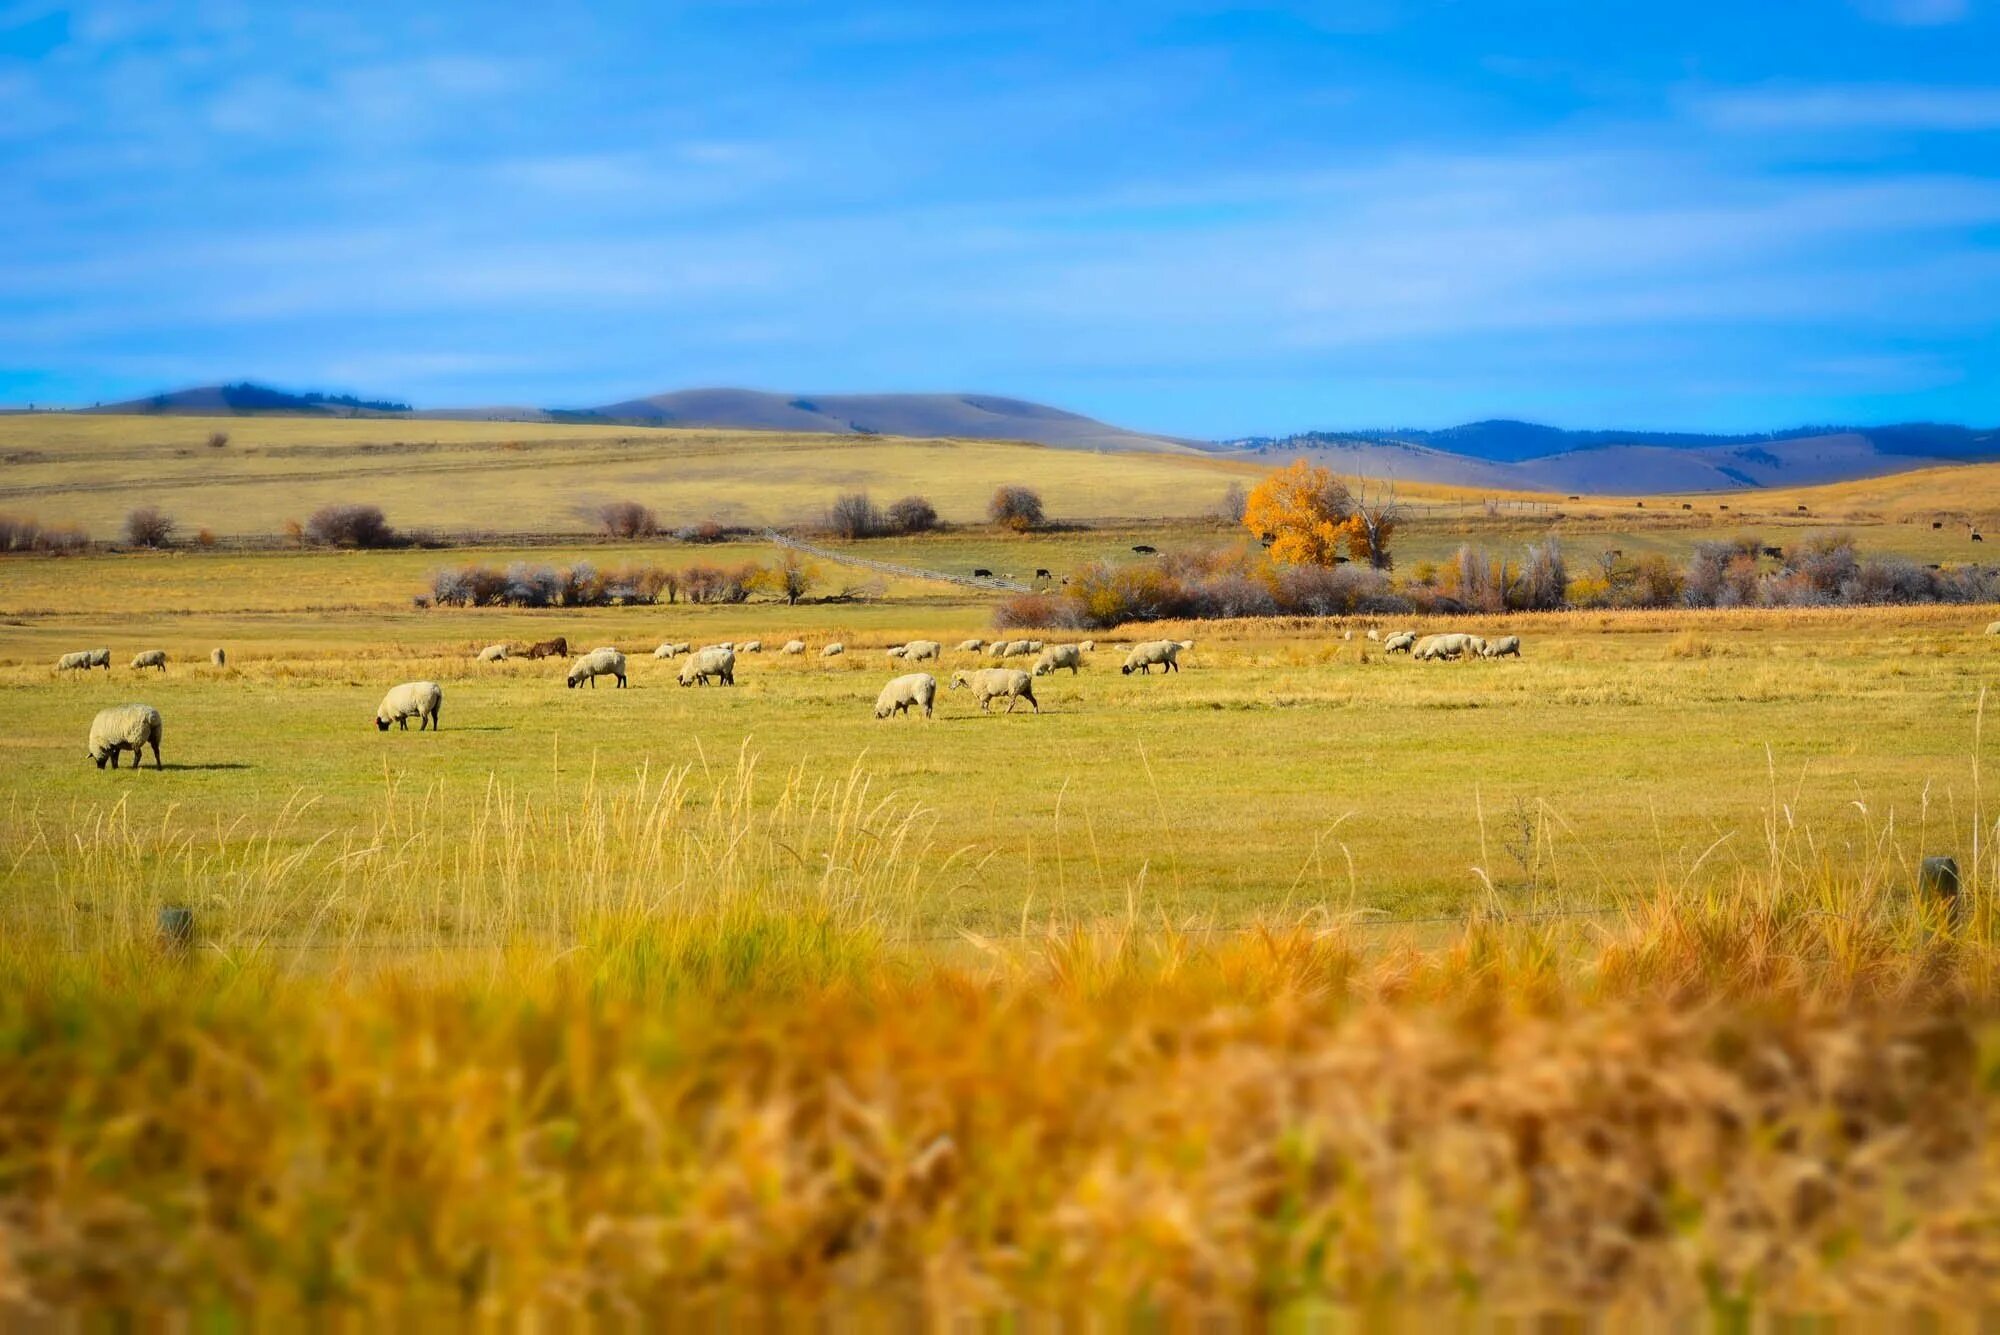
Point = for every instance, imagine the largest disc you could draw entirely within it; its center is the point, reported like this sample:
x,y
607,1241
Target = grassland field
x,y
1304,986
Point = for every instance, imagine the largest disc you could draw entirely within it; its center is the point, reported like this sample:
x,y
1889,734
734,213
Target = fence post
x,y
176,925
1937,879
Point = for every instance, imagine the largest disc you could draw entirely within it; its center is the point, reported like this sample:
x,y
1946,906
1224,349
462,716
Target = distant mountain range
x,y
1500,454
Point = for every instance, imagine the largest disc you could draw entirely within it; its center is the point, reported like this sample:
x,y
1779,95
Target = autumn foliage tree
x,y
1301,514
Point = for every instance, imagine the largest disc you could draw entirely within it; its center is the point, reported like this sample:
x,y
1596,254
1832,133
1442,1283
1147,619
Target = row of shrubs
x,y
1826,570
583,585
27,534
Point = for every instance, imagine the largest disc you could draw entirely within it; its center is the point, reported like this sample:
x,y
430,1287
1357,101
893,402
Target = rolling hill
x,y
1499,454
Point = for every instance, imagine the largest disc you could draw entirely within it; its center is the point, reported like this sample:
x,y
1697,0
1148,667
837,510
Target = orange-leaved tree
x,y
1302,513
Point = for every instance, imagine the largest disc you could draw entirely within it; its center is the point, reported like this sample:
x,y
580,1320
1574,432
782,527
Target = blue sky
x,y
1204,219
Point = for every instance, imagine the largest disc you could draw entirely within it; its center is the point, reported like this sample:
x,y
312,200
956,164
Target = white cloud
x,y
1916,13
1852,107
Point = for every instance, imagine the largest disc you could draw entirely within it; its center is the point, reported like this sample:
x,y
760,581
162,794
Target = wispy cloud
x,y
1916,13
1850,107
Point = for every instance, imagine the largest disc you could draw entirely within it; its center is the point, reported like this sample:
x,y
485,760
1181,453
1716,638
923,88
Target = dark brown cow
x,y
556,648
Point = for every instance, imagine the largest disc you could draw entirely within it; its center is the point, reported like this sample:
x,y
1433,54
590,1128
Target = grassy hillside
x,y
530,478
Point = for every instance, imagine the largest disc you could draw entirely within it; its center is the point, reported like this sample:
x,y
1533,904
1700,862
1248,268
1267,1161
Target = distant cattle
x,y
982,573
1043,574
1576,498
1722,507
1775,553
1802,509
1686,506
1937,523
556,648
1143,550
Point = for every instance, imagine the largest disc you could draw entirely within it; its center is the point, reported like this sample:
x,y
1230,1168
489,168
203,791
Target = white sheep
x,y
913,690
833,650
1374,634
1059,656
83,660
125,728
725,644
971,646
1993,628
750,647
1088,646
1506,646
921,651
1436,647
714,661
217,657
895,651
597,663
1401,642
1165,653
989,684
667,649
413,699
150,658
997,649
1017,649
793,647
1187,646
493,653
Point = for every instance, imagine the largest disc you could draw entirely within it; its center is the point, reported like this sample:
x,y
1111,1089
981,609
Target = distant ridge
x,y
1497,453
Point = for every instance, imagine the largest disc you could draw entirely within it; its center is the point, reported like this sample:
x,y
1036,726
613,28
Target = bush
x,y
1234,502
708,530
1016,508
217,439
913,514
350,526
205,538
855,516
149,526
1543,584
21,535
627,519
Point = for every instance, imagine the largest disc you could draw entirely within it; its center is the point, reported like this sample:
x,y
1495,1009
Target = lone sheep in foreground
x,y
1059,656
493,653
419,699
833,650
597,663
912,691
150,658
217,657
125,728
1505,646
989,684
83,660
1143,658
794,647
714,661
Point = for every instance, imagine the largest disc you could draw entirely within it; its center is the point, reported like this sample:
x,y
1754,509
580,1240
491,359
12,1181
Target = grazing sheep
x,y
1088,646
914,690
493,653
834,650
989,684
1506,646
84,660
597,663
750,647
1347,635
1059,656
921,651
895,651
556,648
997,649
421,699
1455,645
793,647
971,646
715,661
667,649
1165,653
1187,646
217,657
1374,634
125,728
1016,649
153,658
1400,643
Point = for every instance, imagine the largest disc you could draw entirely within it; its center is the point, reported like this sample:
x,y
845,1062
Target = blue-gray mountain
x,y
1507,454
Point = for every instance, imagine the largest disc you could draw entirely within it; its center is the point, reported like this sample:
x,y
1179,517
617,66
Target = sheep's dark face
x,y
570,683
381,724
1125,670
100,759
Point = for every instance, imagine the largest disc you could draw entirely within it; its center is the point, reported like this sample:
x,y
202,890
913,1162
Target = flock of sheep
x,y
135,727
